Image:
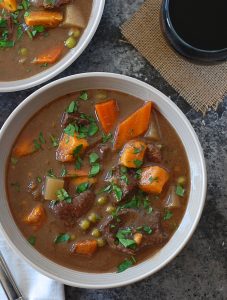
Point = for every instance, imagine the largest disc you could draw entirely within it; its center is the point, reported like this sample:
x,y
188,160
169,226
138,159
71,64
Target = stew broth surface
x,y
26,177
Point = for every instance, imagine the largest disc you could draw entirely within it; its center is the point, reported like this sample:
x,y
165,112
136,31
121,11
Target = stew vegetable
x,y
98,181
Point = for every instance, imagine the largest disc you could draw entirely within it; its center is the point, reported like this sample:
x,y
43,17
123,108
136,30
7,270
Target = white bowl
x,y
66,61
136,88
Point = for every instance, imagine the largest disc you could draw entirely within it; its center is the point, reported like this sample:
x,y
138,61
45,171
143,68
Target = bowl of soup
x,y
40,38
103,180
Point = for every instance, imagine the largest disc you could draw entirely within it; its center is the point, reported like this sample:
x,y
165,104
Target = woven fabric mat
x,y
202,86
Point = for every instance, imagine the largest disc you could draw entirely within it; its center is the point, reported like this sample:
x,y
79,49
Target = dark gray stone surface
x,y
200,270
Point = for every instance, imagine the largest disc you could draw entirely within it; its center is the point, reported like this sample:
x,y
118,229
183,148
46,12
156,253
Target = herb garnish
x,y
39,179
95,169
127,263
63,172
32,240
138,163
152,179
117,191
122,235
62,238
50,173
168,215
83,96
82,187
54,141
62,195
93,157
73,107
180,191
106,137
70,130
14,160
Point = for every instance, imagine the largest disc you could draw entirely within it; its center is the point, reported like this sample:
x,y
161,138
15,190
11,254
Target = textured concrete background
x,y
200,270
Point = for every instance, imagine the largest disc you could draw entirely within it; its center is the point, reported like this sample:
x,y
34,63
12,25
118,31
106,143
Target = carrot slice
x,y
133,126
67,145
87,247
133,154
72,172
50,57
45,18
153,179
107,113
36,217
80,180
23,148
10,5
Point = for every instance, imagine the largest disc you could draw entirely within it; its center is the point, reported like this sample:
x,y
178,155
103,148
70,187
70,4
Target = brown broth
x,y
21,203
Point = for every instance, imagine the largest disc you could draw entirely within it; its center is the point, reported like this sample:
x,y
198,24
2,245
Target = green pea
x,y
96,233
110,209
101,242
102,200
84,224
23,51
181,180
93,217
101,95
70,42
75,32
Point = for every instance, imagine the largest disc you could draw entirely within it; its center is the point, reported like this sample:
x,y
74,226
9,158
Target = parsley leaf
x,y
14,160
54,141
62,195
83,96
63,172
118,192
106,137
168,215
32,240
127,263
180,191
73,107
147,229
92,129
62,238
82,187
136,150
77,150
125,179
95,169
39,179
93,157
138,163
50,173
41,138
70,130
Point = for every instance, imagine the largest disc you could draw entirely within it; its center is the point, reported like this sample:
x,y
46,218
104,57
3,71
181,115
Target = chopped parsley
x,y
82,187
122,237
106,137
180,191
117,191
62,238
168,215
32,240
147,229
138,174
134,203
138,163
73,107
95,169
83,96
50,173
70,130
54,141
125,179
41,138
127,263
39,179
147,206
136,150
37,145
153,179
14,160
63,172
93,157
62,195
77,150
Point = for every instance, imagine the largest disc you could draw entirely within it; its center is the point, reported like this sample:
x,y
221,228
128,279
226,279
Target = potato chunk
x,y
133,154
74,17
153,179
52,185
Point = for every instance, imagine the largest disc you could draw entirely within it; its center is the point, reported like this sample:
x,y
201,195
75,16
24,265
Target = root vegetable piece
x,y
107,113
52,185
153,179
153,132
133,126
49,57
74,17
9,5
45,18
67,145
36,217
79,180
24,147
133,154
87,247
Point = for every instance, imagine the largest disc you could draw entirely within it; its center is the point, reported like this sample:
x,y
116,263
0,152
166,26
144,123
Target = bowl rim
x,y
65,61
200,158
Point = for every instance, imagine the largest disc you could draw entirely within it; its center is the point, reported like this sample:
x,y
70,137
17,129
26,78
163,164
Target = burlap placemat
x,y
202,86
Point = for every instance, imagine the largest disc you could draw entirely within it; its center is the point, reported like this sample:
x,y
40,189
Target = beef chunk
x,y
74,118
48,3
70,212
153,153
134,220
126,181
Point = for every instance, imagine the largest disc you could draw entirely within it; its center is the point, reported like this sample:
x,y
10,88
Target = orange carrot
x,y
133,126
133,154
23,148
80,180
67,145
87,247
107,113
72,172
45,18
9,5
153,179
50,57
36,217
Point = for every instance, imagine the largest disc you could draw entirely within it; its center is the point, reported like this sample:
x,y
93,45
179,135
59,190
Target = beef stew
x,y
35,34
98,181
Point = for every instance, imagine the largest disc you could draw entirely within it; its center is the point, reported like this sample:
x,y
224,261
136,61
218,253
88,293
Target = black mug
x,y
181,44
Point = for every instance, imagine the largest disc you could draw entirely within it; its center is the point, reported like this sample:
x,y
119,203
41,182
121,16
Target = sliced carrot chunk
x,y
79,180
23,148
67,145
107,113
133,154
87,247
49,57
133,126
45,18
9,5
153,179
